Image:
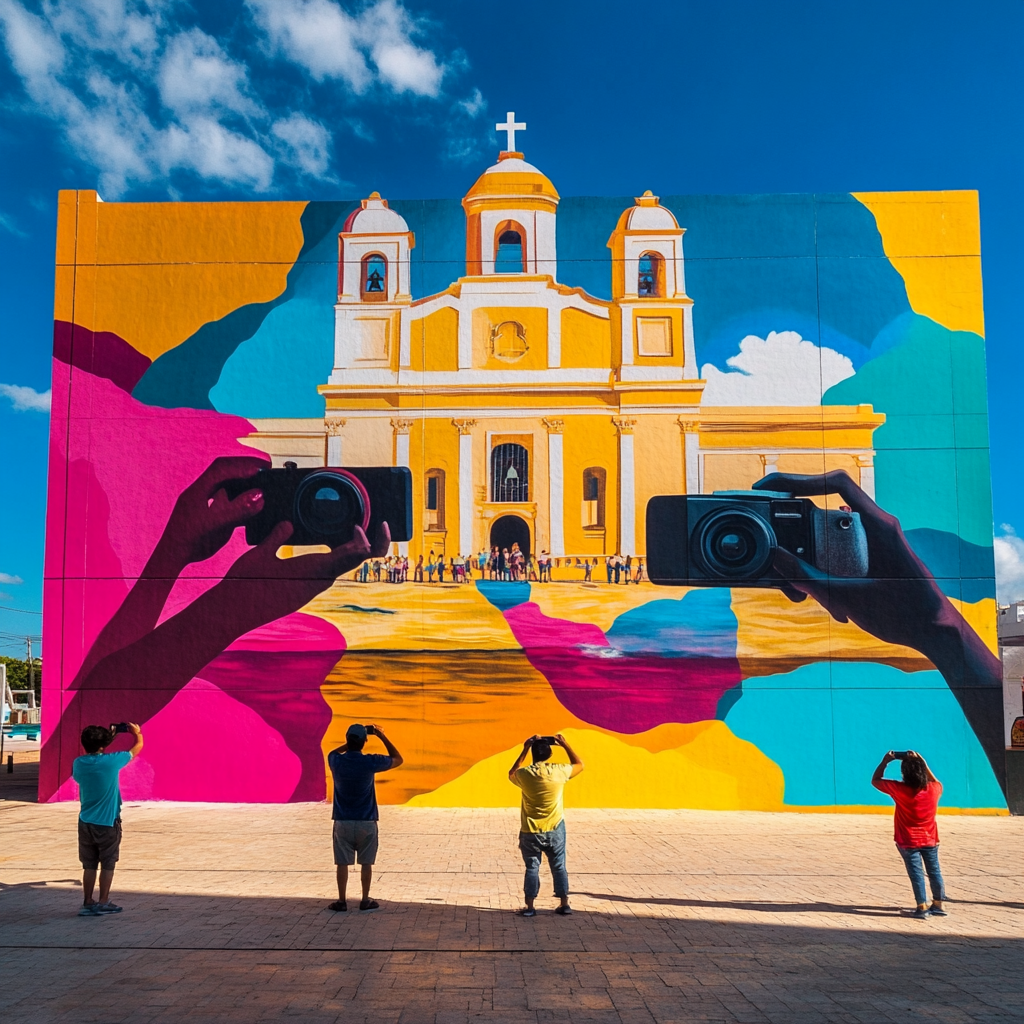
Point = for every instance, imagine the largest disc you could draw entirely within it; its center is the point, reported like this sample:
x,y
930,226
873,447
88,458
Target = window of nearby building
x,y
594,479
435,499
654,336
509,251
649,276
510,473
374,284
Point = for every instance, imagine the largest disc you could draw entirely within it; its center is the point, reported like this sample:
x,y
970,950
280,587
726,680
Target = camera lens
x,y
734,544
329,505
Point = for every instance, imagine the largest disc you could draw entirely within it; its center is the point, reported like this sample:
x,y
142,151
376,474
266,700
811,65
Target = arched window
x,y
594,479
509,248
649,281
510,473
508,341
374,283
434,499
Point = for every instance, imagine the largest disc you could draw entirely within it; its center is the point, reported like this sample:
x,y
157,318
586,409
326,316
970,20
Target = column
x,y
769,463
691,454
627,486
866,463
465,485
401,429
333,429
556,488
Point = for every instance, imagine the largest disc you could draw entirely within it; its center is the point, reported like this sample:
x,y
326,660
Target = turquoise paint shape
x,y
700,624
504,595
828,724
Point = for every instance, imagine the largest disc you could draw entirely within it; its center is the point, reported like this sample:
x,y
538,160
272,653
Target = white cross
x,y
510,127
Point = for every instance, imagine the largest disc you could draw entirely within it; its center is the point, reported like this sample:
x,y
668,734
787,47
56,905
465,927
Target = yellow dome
x,y
512,183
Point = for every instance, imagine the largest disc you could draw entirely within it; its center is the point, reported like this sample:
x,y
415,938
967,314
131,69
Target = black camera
x,y
324,505
370,731
900,755
116,727
729,538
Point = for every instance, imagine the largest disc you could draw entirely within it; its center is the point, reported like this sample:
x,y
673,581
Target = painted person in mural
x,y
542,816
140,660
355,811
914,827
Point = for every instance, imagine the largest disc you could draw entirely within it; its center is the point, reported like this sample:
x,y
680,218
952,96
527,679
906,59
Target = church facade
x,y
528,410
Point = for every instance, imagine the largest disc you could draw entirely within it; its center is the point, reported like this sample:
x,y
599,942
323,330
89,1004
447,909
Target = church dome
x,y
373,217
647,215
510,181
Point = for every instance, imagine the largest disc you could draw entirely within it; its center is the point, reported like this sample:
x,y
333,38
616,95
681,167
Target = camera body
x,y
729,538
900,755
370,731
325,504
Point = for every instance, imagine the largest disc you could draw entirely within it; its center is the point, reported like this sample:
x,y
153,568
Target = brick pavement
x,y
680,916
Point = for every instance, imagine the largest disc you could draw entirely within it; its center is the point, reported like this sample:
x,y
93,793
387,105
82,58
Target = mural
x,y
534,369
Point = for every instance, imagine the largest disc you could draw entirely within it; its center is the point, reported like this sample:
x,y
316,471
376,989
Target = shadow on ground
x,y
222,958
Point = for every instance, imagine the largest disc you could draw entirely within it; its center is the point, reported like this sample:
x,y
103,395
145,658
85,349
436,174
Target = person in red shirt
x,y
916,833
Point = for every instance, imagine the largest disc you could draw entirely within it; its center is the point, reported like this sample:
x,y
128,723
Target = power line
x,y
24,611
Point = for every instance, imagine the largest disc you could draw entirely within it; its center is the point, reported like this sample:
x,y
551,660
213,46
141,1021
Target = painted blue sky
x,y
314,99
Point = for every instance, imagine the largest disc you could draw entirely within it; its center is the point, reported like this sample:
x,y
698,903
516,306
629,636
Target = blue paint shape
x,y
700,624
504,595
963,570
828,724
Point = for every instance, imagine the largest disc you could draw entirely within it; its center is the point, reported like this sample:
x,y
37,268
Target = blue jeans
x,y
552,845
919,860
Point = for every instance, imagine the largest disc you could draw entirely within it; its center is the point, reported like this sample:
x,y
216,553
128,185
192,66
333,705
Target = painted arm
x,y
900,603
577,764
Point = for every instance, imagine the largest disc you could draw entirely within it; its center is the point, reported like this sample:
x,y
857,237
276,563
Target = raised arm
x,y
880,770
577,764
927,770
527,743
396,757
137,733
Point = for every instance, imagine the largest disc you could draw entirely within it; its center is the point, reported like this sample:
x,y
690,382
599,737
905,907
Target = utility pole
x,y
31,666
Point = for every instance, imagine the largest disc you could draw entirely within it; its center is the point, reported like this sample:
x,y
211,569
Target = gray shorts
x,y
99,845
352,838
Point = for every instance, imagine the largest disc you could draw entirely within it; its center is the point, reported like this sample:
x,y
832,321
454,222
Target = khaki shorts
x,y
99,845
352,838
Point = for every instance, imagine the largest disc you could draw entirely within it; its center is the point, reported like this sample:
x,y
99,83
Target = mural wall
x,y
543,366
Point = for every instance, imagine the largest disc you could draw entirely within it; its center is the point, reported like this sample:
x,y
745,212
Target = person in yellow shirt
x,y
542,819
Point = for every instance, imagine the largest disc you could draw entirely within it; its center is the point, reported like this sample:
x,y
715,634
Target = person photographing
x,y
915,829
542,817
99,820
355,807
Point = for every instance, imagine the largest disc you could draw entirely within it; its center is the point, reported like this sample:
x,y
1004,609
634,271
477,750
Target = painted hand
x,y
203,517
899,602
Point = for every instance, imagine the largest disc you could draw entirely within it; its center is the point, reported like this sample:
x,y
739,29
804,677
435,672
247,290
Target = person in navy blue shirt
x,y
355,807
99,820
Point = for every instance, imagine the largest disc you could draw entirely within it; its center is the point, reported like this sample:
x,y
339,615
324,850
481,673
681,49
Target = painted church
x,y
528,410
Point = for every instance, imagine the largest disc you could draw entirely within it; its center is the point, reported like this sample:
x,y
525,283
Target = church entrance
x,y
509,530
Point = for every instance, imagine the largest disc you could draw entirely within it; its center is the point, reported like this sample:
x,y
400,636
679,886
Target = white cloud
x,y
10,579
139,95
1009,555
7,223
306,141
782,369
331,43
26,399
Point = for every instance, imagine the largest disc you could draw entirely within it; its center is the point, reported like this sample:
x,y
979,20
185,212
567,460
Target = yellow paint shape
x,y
154,273
933,239
413,617
713,770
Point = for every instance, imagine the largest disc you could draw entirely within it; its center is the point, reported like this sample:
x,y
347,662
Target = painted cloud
x,y
782,369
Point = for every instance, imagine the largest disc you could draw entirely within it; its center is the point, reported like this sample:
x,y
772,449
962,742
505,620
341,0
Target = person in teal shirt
x,y
99,820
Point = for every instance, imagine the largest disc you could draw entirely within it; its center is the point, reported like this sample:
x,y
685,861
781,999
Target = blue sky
x,y
312,99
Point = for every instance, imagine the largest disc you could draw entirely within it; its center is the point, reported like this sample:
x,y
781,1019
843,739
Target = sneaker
x,y
106,908
937,912
339,905
920,915
527,912
563,910
369,905
88,910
